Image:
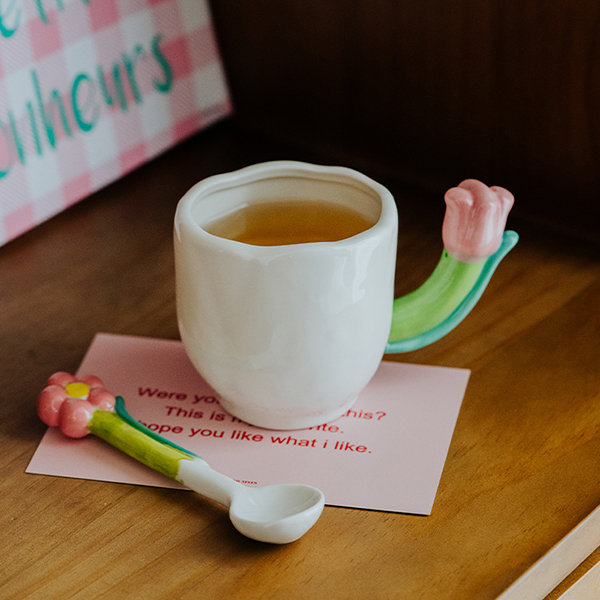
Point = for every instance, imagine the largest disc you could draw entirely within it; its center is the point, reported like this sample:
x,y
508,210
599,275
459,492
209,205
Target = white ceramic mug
x,y
287,335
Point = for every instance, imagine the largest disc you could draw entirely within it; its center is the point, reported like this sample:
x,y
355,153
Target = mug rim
x,y
280,169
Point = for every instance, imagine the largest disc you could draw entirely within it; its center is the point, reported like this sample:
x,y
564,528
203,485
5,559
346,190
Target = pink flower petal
x,y
101,398
61,378
478,189
49,403
92,381
506,198
75,414
475,220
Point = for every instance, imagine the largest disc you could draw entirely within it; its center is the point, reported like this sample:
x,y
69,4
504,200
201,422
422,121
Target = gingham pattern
x,y
46,167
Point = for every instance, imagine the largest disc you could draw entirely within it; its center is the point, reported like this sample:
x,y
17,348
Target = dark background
x,y
429,92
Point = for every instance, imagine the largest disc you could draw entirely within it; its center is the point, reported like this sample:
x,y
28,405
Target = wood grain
x,y
521,473
558,565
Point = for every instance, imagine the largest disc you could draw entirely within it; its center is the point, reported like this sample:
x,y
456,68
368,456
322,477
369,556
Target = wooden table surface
x,y
521,473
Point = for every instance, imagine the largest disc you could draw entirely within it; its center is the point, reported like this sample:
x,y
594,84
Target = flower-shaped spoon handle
x,y
277,514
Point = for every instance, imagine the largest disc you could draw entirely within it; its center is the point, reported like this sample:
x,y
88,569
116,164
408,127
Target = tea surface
x,y
289,222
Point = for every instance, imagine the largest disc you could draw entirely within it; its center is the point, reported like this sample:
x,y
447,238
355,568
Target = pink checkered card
x,y
91,89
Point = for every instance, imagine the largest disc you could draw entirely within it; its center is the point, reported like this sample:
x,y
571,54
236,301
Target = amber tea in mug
x,y
289,221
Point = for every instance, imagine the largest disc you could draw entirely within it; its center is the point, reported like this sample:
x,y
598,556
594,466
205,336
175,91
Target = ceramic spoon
x,y
277,514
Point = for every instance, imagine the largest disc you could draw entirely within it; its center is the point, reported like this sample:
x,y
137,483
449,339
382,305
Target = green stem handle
x,y
444,300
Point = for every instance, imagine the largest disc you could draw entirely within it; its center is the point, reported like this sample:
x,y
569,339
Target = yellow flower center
x,y
77,389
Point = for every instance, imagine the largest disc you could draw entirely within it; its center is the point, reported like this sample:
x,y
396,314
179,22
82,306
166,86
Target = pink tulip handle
x,y
474,244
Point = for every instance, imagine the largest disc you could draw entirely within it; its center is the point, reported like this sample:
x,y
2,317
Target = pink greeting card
x,y
91,89
386,453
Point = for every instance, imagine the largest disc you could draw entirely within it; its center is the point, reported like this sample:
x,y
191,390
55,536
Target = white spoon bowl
x,y
277,514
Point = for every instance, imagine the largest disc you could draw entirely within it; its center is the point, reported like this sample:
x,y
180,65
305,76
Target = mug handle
x,y
444,300
474,244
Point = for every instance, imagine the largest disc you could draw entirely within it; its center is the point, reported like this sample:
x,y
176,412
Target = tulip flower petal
x,y
475,219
